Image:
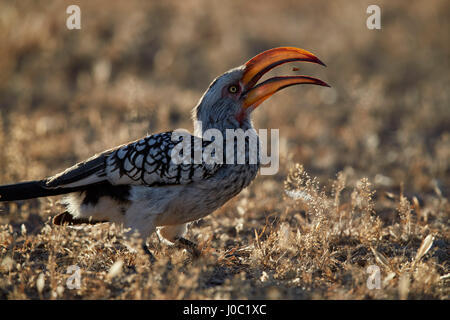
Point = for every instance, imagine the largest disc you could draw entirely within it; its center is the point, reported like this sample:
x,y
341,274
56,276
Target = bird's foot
x,y
189,245
149,253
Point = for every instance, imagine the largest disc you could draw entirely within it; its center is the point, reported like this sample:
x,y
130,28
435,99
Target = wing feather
x,y
144,162
149,162
84,173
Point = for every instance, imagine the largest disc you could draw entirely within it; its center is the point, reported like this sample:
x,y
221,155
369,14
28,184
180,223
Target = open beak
x,y
253,95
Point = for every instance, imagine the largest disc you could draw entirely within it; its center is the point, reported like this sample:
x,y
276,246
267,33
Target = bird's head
x,y
231,97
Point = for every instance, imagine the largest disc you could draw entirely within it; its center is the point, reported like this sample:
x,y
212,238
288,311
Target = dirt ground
x,y
364,180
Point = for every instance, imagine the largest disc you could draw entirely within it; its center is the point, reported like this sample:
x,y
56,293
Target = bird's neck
x,y
200,127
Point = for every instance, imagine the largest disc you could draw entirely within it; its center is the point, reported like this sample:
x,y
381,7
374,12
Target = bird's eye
x,y
233,89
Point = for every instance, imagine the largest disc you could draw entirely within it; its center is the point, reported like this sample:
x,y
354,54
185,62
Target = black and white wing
x,y
146,162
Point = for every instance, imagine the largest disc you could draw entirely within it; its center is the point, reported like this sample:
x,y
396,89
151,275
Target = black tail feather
x,y
66,218
30,190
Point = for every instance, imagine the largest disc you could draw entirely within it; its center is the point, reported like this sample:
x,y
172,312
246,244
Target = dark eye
x,y
233,88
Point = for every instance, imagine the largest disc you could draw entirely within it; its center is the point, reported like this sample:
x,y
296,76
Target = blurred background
x,y
139,67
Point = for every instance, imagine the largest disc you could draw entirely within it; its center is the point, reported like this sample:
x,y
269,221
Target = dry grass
x,y
375,176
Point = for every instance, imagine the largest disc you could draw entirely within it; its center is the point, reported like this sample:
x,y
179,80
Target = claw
x,y
190,246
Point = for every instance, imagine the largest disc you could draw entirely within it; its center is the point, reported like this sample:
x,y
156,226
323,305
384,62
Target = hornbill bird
x,y
139,186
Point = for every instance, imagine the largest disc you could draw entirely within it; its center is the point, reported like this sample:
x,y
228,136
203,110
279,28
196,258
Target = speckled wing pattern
x,y
145,162
148,162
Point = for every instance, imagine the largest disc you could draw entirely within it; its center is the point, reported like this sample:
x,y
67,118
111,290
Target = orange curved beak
x,y
256,67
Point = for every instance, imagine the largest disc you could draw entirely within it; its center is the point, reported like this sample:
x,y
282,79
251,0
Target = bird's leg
x,y
174,234
189,245
148,252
